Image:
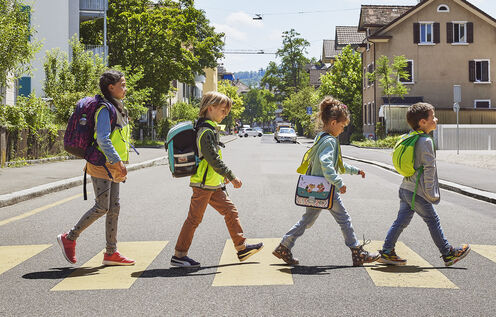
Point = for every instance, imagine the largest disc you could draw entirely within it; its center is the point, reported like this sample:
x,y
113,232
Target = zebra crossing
x,y
264,269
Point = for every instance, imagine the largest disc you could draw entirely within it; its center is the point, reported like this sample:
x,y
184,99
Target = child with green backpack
x,y
414,157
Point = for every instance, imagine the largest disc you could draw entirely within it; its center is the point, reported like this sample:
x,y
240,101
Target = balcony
x,y
90,9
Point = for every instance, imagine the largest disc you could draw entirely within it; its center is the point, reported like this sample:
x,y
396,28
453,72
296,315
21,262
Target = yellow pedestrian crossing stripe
x,y
94,276
14,255
488,251
261,268
416,273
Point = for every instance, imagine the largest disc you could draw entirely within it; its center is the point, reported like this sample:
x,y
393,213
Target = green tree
x,y
259,106
168,40
290,76
389,76
225,87
295,109
16,47
344,82
68,81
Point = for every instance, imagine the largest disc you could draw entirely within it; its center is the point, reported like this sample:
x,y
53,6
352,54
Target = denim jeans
x,y
426,210
308,219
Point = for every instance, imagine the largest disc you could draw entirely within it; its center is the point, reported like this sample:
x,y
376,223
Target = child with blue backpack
x,y
326,160
208,184
114,144
420,191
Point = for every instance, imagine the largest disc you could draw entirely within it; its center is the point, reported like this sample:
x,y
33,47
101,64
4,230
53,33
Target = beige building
x,y
446,43
211,80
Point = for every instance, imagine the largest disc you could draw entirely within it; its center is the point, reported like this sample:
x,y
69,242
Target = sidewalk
x,y
21,183
470,173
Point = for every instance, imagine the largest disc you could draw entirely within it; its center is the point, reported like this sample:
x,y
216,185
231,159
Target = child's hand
x,y
342,190
361,173
237,182
226,180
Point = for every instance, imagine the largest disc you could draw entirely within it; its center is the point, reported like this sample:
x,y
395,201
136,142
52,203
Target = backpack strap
x,y
305,161
420,169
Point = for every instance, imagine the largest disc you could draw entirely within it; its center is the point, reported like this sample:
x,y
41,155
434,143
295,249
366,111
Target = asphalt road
x,y
154,206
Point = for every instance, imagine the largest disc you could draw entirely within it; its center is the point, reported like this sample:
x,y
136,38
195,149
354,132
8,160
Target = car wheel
x,y
246,135
260,134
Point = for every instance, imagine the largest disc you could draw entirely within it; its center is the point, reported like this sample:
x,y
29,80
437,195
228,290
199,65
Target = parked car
x,y
258,129
246,132
285,135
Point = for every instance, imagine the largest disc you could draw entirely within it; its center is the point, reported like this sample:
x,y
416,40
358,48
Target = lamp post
x,y
457,98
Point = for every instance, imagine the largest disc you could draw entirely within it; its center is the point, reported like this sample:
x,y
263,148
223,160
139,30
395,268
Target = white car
x,y
285,135
246,132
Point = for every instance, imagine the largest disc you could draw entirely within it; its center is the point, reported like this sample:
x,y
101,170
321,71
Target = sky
x,y
315,20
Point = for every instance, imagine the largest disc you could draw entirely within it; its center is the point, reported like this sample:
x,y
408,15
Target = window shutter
x,y
416,33
470,32
436,33
485,71
471,71
449,32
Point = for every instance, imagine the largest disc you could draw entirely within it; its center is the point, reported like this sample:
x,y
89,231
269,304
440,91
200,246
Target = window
x,y
482,104
443,8
370,69
364,114
479,71
24,86
459,32
372,113
369,116
426,31
409,69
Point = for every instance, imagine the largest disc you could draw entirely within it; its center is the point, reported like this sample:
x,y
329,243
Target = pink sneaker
x,y
116,259
68,247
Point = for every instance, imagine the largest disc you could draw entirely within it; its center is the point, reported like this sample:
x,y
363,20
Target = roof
x,y
329,49
380,15
348,35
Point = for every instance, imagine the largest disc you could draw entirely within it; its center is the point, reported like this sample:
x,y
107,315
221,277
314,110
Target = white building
x,y
55,22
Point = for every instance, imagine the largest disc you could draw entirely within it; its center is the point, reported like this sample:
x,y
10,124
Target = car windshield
x,y
286,131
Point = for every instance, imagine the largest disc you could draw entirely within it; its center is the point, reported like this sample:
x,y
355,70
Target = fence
x,y
472,136
23,145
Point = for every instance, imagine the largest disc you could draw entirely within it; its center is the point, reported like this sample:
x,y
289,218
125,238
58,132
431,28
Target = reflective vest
x,y
120,138
205,176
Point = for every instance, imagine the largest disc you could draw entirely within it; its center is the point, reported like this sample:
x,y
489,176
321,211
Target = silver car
x,y
285,135
246,132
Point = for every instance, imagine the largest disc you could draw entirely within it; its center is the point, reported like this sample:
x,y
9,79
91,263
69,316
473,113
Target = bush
x,y
387,142
357,136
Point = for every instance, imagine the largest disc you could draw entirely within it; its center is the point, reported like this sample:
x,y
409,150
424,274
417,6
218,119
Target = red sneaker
x,y
68,247
116,259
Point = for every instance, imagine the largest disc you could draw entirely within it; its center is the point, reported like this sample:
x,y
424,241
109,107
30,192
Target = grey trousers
x,y
106,202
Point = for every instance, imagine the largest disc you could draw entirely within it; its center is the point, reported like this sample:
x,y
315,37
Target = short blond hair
x,y
214,98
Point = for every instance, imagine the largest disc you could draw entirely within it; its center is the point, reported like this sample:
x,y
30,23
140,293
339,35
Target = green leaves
x,y
16,45
168,40
344,82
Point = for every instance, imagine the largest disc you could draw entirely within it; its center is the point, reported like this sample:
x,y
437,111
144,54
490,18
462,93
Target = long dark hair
x,y
111,77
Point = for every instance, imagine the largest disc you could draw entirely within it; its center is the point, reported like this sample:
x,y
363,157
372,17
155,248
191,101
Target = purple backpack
x,y
79,137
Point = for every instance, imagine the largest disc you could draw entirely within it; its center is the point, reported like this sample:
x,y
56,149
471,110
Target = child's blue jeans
x,y
426,210
308,219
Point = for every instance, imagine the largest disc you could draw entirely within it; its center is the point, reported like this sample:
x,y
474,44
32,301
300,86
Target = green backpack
x,y
404,157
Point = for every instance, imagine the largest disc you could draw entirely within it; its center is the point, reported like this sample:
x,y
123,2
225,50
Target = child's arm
x,y
428,160
208,149
350,169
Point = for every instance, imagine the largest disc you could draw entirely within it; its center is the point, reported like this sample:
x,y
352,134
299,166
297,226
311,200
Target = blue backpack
x,y
182,148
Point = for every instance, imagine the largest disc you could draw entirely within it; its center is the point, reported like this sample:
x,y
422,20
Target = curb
x,y
22,195
460,189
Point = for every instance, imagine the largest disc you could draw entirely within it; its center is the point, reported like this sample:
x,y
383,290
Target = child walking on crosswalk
x,y
325,160
114,145
208,184
420,191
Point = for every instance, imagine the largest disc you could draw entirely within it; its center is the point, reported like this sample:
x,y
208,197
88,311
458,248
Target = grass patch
x,y
386,143
151,143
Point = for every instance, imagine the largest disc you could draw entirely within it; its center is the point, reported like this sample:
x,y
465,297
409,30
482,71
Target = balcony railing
x,y
92,5
96,49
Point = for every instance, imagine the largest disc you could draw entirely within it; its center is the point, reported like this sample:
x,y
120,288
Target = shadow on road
x,y
183,271
62,272
412,268
310,270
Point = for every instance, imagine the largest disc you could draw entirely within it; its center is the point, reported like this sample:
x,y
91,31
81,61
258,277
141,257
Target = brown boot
x,y
283,253
360,256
